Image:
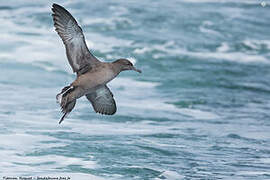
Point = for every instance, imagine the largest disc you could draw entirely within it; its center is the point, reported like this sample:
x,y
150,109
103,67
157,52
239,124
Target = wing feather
x,y
102,101
78,54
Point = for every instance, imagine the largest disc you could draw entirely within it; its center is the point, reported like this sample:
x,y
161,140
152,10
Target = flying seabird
x,y
92,74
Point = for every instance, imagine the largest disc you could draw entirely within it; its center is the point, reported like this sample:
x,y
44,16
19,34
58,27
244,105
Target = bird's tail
x,y
66,103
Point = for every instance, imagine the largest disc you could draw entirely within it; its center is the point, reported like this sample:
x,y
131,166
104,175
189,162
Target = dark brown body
x,y
93,79
100,75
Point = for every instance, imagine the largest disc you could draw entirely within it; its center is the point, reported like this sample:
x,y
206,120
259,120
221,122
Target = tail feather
x,y
63,93
63,117
66,105
67,109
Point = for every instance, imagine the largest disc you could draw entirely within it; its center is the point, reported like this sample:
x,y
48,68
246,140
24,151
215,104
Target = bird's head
x,y
124,64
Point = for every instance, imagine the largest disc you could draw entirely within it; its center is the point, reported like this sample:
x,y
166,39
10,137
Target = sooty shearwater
x,y
92,74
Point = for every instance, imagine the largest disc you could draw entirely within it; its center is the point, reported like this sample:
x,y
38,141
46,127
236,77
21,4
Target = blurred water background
x,y
199,110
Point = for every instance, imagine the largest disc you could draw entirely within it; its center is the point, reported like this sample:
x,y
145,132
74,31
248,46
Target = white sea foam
x,y
12,27
142,50
251,44
48,47
168,47
55,161
253,173
112,22
104,128
105,44
170,175
206,28
148,100
209,31
29,112
224,1
46,66
221,53
33,49
232,56
208,23
158,144
256,44
224,47
264,160
146,104
158,55
16,145
21,141
118,10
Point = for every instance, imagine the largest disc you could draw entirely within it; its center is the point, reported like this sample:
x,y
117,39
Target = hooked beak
x,y
138,70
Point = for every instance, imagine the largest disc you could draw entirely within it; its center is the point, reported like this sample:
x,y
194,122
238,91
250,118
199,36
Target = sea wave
x,y
224,1
223,52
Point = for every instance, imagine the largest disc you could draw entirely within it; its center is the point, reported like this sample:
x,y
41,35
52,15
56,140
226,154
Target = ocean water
x,y
199,110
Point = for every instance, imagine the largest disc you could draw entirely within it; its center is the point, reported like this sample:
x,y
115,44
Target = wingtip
x,y
55,5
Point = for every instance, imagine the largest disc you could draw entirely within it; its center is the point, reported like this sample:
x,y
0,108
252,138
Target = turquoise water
x,y
199,110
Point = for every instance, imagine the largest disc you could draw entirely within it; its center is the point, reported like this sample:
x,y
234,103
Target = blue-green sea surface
x,y
199,110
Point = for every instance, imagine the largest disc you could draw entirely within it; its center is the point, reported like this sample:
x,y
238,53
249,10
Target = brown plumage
x,y
92,74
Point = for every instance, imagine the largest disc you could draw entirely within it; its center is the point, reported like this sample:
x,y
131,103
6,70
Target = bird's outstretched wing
x,y
66,26
102,101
